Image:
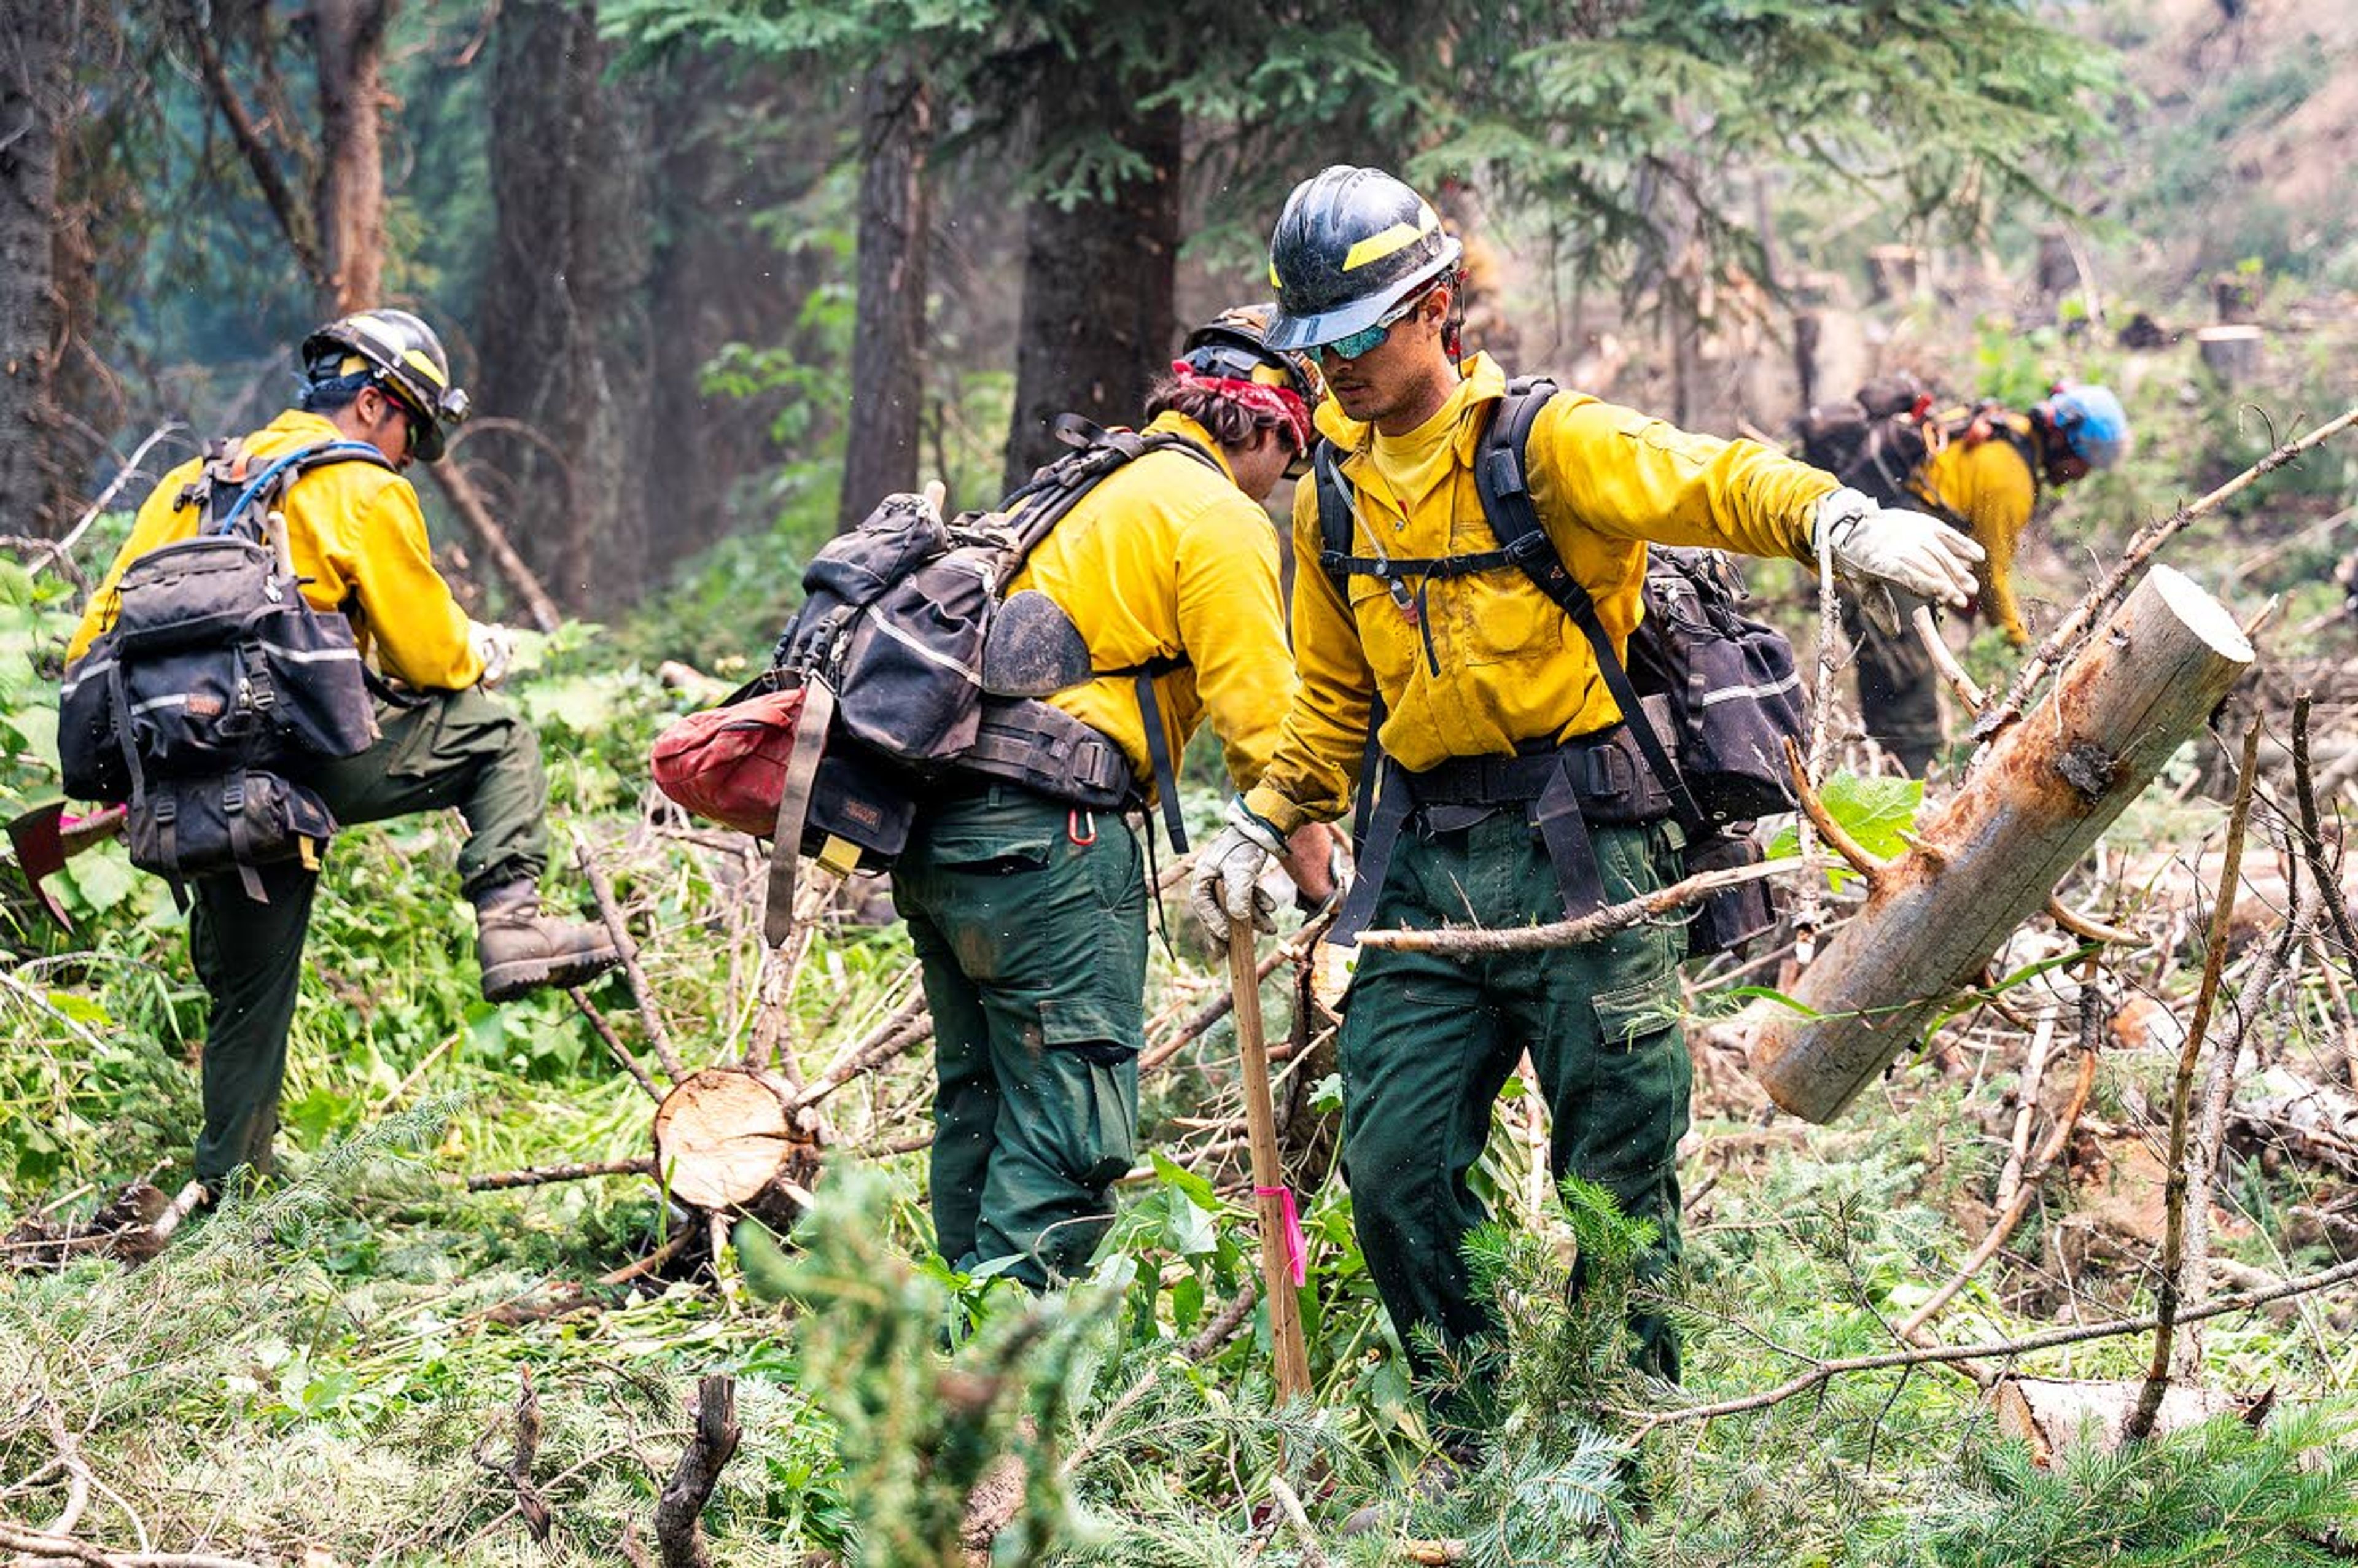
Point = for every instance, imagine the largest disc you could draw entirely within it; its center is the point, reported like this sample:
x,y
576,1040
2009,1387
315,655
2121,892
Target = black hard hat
x,y
405,357
1236,343
1351,243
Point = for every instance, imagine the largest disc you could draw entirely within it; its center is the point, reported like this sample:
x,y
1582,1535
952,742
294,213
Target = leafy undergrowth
x,y
334,1365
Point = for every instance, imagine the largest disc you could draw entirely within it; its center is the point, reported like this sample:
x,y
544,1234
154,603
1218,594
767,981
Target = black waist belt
x,y
1598,778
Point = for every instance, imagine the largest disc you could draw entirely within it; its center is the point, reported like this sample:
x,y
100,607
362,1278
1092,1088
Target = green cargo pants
x,y
1429,1040
460,747
1030,922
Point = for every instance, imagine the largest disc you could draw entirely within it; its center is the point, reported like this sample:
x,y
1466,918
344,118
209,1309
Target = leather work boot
x,y
520,948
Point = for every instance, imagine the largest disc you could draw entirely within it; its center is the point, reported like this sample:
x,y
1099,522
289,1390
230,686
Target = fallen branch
x,y
614,1046
1927,631
2034,1073
2313,836
469,502
39,1543
2026,1191
1822,1372
883,1046
1312,1552
1470,940
2214,959
678,1533
640,991
59,552
1224,1002
545,1176
517,1471
1833,832
655,1260
2076,625
2251,999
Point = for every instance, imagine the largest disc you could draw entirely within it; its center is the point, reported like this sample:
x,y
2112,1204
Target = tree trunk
x,y
36,49
348,41
718,277
888,341
1098,312
563,332
2044,792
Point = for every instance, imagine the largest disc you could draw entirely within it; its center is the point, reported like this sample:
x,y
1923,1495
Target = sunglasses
x,y
1366,339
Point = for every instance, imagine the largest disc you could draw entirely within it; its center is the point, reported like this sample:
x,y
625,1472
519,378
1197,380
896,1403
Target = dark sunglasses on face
x,y
1367,339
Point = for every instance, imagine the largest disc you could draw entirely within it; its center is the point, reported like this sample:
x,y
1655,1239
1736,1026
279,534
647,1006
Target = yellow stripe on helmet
x,y
1387,241
425,365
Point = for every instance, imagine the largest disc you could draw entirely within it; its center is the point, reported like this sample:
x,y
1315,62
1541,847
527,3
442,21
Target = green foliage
x,y
1875,810
918,1430
2219,1492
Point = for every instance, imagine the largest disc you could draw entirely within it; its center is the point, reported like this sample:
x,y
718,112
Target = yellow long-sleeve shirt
x,y
1512,667
1989,487
355,531
1168,558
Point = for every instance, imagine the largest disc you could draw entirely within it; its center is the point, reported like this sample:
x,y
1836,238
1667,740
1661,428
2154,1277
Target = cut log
x,y
2231,354
2043,794
729,1139
2051,1414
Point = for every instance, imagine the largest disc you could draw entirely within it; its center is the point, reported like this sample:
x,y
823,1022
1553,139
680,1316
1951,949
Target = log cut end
x,y
727,1136
2201,614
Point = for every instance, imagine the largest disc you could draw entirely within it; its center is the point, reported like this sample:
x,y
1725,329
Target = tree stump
x,y
729,1139
2059,270
2231,354
1895,273
2048,1415
2038,798
2234,296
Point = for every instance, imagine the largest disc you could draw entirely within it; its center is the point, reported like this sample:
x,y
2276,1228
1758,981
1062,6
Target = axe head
x,y
45,837
1033,648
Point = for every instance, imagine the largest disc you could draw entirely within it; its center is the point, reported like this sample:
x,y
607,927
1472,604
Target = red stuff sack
x,y
728,764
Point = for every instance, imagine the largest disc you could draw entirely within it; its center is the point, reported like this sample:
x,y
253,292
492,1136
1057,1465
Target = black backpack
x,y
1876,442
1728,685
218,687
888,648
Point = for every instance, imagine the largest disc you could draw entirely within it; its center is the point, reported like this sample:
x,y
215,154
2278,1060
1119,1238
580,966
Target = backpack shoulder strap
x,y
1502,479
1334,513
1056,488
258,494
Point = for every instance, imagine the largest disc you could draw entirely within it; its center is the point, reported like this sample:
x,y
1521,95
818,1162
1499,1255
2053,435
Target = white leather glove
x,y
1873,545
495,645
1225,882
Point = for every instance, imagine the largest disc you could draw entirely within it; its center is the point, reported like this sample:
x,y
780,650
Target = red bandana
x,y
1282,403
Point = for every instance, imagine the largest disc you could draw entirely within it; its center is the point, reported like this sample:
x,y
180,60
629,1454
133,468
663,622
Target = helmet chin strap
x,y
1452,325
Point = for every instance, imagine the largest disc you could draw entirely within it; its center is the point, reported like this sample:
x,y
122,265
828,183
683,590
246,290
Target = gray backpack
x,y
892,647
218,687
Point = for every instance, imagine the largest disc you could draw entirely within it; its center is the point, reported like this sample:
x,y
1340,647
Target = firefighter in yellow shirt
x,y
1029,915
1491,707
1983,472
353,530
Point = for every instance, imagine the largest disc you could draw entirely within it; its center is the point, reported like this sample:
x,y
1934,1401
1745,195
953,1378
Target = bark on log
x,y
729,1139
1991,859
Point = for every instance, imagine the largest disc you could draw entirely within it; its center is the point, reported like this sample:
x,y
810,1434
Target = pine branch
x,y
1823,1372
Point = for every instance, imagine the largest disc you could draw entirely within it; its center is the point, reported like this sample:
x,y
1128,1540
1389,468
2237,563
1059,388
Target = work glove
x,y
496,646
1225,882
1881,549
